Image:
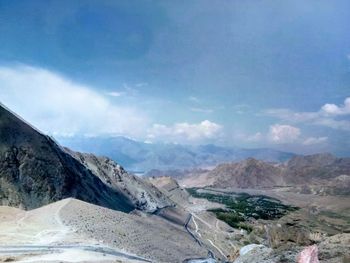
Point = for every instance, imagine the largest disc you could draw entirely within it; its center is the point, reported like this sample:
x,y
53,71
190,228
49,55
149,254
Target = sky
x,y
253,73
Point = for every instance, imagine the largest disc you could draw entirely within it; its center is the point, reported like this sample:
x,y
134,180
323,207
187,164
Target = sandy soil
x,y
75,231
38,226
147,235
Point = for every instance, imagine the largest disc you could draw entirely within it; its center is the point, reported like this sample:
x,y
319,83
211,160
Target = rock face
x,y
254,254
171,188
278,235
142,194
35,170
249,173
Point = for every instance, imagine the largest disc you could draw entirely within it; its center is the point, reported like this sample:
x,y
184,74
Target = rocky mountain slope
x,y
319,173
249,173
142,157
318,166
143,195
35,170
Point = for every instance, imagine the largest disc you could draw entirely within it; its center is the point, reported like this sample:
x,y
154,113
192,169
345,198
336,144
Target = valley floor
x,y
320,220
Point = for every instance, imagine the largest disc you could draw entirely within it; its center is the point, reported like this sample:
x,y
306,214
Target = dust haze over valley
x,y
175,131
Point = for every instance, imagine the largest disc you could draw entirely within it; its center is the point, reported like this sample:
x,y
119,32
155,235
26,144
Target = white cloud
x,y
332,109
282,134
329,115
279,133
186,132
334,124
61,107
314,140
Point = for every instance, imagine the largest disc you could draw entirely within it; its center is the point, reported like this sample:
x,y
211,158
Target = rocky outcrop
x,y
142,194
335,249
253,253
294,233
170,187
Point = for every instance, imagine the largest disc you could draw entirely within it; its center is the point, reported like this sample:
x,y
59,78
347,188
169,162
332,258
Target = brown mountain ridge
x,y
318,173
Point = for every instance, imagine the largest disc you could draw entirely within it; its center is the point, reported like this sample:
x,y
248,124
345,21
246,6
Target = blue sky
x,y
244,73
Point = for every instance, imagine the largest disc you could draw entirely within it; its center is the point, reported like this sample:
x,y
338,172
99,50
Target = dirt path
x,y
204,222
209,240
196,226
216,247
58,233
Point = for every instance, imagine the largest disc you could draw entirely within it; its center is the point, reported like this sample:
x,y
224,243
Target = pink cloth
x,y
308,255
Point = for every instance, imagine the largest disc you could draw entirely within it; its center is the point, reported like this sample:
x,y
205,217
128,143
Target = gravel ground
x,y
144,235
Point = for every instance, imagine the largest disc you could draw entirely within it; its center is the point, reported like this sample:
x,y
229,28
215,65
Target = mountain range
x,y
142,157
317,174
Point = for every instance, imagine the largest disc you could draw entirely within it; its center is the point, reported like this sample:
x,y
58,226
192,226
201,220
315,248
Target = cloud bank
x,y
282,134
329,115
61,107
185,132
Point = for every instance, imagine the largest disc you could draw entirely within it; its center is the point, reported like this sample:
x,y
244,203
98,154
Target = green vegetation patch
x,y
240,207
